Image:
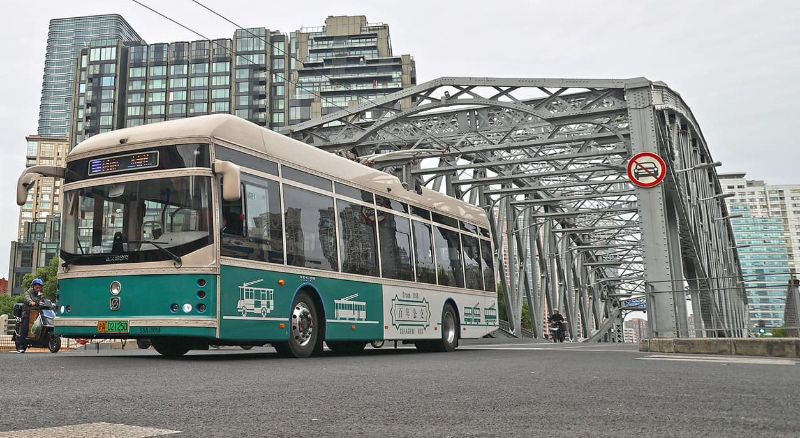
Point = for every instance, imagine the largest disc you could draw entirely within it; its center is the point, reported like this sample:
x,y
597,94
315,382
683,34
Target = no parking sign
x,y
646,170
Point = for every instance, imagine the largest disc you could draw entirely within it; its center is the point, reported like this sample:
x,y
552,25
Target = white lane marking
x,y
89,430
721,359
569,349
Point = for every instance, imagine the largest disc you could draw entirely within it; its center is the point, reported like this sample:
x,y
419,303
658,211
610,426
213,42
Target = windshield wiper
x,y
175,258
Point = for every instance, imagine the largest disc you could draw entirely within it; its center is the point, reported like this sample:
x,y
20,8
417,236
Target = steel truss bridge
x,y
547,160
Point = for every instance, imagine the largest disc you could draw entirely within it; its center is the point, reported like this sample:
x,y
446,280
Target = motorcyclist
x,y
557,319
30,300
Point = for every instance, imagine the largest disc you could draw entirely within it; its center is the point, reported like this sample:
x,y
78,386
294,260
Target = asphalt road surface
x,y
504,389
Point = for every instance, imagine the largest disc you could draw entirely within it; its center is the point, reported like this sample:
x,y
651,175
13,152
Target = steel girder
x,y
546,158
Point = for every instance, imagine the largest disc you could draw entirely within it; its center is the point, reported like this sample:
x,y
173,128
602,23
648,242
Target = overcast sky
x,y
735,63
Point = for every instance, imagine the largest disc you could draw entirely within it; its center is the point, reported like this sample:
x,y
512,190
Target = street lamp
x,y
719,196
700,167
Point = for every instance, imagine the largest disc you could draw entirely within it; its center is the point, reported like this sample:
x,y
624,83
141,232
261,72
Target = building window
x,y
199,107
220,80
158,70
221,107
177,83
199,69
157,97
220,67
177,108
158,84
201,81
178,69
155,110
137,72
220,93
199,94
177,95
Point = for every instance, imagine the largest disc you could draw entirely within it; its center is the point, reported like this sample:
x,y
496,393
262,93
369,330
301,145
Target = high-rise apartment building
x,y
768,234
45,196
345,62
65,39
261,75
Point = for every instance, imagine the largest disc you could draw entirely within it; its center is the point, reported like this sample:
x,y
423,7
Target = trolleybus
x,y
215,231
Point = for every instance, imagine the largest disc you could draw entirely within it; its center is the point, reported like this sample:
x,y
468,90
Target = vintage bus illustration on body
x,y
255,300
347,309
472,315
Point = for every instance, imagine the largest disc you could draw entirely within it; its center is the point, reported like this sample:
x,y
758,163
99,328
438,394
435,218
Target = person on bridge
x,y
556,317
557,320
30,300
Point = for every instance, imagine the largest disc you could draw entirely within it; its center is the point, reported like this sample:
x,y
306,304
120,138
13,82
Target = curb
x,y
783,347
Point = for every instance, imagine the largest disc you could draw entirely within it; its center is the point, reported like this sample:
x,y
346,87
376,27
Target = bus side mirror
x,y
33,173
231,178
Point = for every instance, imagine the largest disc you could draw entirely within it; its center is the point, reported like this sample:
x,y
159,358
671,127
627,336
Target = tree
x,y
48,274
501,308
7,303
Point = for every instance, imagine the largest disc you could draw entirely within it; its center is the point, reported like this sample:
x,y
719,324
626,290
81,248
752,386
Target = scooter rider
x,y
30,299
557,319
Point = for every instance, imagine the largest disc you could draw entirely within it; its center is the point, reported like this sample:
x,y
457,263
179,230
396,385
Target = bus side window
x,y
232,218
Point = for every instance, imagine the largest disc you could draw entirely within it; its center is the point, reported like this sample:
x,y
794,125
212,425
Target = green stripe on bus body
x,y
148,296
254,305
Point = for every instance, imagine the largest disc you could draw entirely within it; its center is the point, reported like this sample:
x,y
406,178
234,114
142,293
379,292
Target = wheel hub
x,y
302,324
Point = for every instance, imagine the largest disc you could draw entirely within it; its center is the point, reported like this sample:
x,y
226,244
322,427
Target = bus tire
x,y
170,347
450,330
282,348
346,347
305,331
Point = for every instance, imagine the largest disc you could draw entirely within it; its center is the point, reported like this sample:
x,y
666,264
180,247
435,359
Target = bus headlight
x,y
115,288
187,308
63,309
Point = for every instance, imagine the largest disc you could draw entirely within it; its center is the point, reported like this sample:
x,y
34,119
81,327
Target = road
x,y
486,388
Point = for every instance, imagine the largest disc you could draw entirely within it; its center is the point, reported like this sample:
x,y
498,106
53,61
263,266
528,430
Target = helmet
x,y
37,282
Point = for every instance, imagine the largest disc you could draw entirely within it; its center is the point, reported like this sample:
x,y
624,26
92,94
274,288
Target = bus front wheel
x,y
305,337
169,347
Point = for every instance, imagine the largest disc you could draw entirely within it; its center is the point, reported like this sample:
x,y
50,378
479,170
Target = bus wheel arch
x,y
451,329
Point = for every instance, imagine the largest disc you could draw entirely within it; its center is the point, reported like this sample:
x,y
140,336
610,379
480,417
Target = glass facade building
x,y
765,264
261,75
65,39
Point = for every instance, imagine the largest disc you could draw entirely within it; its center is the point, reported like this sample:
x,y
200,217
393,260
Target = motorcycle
x,y
40,333
558,331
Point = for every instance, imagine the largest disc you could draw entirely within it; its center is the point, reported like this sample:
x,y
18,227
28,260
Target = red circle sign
x,y
646,170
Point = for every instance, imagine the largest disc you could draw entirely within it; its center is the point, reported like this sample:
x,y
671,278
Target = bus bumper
x,y
135,327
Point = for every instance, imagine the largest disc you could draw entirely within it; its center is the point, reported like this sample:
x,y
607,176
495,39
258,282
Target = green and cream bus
x,y
215,231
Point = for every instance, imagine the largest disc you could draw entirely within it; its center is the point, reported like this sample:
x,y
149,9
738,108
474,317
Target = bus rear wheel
x,y
450,331
346,347
169,347
305,337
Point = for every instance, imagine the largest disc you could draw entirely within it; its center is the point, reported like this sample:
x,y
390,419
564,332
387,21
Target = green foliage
x,y
501,308
7,302
501,302
48,274
779,332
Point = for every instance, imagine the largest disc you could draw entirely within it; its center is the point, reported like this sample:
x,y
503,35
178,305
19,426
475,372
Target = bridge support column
x,y
660,280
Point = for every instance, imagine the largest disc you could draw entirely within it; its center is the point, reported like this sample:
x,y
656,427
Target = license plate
x,y
112,326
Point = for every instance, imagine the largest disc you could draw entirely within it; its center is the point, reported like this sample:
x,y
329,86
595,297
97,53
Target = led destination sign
x,y
124,163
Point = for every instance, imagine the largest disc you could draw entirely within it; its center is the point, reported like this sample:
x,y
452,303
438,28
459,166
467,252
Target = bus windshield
x,y
136,221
